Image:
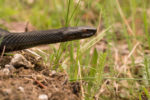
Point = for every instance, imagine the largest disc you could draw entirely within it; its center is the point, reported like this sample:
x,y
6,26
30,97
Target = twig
x,y
101,90
124,19
2,53
126,59
38,82
26,27
82,89
99,27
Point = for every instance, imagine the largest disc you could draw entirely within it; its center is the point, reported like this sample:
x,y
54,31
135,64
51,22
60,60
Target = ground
x,y
23,82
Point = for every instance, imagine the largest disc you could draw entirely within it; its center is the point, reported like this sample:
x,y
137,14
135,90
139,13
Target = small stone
x,y
7,91
6,71
53,72
20,60
21,89
39,77
43,97
10,67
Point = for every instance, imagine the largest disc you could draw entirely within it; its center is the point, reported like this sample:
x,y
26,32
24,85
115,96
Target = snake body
x,y
18,41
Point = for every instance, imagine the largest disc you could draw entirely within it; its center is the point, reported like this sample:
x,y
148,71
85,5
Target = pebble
x,y
20,60
7,91
43,97
21,89
10,67
6,71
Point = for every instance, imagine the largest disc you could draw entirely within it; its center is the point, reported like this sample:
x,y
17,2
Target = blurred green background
x,y
115,68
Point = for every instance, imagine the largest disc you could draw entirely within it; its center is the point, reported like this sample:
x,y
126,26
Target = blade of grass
x,y
73,13
100,69
124,19
146,92
94,63
68,11
111,78
146,26
147,66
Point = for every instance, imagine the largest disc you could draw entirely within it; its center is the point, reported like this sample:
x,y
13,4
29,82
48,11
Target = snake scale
x,y
23,40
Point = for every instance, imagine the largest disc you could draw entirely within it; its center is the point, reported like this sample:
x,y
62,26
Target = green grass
x,y
107,74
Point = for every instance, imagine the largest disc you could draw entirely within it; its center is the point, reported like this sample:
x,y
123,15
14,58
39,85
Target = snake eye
x,y
84,30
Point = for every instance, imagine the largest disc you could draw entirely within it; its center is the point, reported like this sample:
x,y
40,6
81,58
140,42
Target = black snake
x,y
18,41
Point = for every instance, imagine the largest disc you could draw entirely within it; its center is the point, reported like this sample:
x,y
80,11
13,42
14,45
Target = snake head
x,y
72,33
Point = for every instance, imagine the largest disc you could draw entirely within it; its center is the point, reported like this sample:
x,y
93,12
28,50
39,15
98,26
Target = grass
x,y
117,67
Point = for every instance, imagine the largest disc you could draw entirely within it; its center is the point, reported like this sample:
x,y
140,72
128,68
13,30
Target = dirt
x,y
36,82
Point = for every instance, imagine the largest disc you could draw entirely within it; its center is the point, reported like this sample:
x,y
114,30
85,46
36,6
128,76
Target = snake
x,y
11,41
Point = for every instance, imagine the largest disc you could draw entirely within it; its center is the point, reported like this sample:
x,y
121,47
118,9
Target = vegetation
x,y
113,65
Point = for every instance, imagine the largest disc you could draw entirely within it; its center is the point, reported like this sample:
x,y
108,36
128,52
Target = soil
x,y
34,81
